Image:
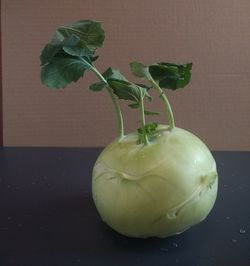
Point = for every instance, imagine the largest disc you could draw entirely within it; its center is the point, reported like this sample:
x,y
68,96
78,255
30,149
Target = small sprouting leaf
x,y
171,76
62,70
97,86
150,129
134,105
139,70
147,112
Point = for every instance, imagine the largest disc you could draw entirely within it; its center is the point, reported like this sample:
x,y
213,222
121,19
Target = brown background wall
x,y
214,35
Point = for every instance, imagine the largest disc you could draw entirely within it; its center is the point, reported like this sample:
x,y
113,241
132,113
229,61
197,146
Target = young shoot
x,y
164,76
70,53
135,93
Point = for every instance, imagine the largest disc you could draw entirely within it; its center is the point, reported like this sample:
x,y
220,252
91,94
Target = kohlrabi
x,y
157,181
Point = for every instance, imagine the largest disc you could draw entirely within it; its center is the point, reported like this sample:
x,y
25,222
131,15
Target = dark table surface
x,y
47,216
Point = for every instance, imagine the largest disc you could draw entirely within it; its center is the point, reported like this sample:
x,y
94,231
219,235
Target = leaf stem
x,y
116,105
118,112
146,141
165,100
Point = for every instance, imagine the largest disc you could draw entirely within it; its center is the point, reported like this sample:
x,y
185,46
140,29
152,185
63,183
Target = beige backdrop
x,y
214,35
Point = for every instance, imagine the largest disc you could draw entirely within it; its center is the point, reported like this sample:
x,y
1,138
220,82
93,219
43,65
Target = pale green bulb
x,y
160,189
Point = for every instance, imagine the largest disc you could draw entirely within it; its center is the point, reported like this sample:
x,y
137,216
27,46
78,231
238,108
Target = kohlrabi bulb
x,y
155,190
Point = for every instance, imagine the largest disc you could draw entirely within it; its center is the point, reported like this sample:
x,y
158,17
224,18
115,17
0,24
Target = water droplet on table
x,y
234,240
242,231
175,245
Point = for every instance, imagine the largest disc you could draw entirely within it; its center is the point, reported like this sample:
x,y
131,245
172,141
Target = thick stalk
x,y
167,105
116,105
143,122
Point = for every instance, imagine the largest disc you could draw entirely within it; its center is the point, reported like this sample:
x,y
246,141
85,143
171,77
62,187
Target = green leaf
x,y
86,61
147,112
62,70
97,86
72,46
139,70
48,52
159,72
51,50
171,76
134,105
146,93
143,86
168,75
128,91
145,90
150,129
80,49
111,73
88,31
94,58
125,90
80,38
